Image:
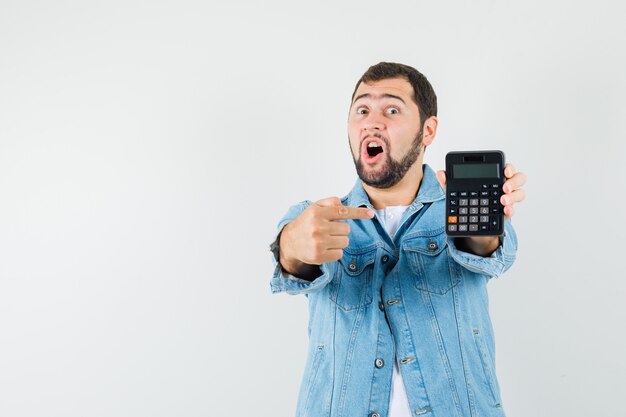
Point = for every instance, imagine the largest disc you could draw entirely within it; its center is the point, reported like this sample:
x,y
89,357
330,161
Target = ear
x,y
430,130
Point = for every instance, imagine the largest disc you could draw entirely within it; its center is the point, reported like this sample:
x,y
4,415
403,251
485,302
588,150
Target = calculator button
x,y
463,193
452,211
463,210
473,201
485,186
452,227
484,210
494,223
463,202
473,227
495,210
484,193
473,219
495,185
452,219
473,210
453,203
484,227
495,193
484,201
462,228
462,219
473,194
484,219
495,201
453,194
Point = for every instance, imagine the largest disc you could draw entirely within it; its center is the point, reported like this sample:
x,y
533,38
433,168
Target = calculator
x,y
474,182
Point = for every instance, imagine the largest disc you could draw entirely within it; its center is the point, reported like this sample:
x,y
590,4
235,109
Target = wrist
x,y
482,245
286,260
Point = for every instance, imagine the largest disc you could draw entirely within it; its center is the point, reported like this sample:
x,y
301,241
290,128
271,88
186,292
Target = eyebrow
x,y
367,95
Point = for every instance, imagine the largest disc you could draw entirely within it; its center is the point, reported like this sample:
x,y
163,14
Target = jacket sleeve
x,y
495,264
281,280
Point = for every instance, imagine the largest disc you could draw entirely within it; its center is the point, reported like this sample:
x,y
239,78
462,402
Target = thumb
x,y
329,202
441,177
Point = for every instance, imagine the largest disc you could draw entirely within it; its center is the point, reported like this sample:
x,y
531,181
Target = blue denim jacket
x,y
416,295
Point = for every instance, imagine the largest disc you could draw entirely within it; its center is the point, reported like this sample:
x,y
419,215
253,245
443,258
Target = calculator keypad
x,y
475,210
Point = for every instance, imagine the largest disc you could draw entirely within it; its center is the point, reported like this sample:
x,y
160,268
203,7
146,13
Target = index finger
x,y
509,170
346,213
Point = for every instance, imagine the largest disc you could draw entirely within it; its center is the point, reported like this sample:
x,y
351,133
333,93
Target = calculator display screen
x,y
462,171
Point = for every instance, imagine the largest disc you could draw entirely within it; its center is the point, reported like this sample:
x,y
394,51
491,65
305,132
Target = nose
x,y
374,122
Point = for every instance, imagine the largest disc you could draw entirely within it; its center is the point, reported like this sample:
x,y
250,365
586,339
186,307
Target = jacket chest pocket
x,y
430,263
351,287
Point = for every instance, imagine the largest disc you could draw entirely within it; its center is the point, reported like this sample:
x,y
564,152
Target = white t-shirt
x,y
399,403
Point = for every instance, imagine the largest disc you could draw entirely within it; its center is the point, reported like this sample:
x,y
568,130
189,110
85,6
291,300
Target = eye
x,y
361,110
393,110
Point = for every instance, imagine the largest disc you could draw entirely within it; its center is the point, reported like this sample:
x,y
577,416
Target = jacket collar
x,y
429,191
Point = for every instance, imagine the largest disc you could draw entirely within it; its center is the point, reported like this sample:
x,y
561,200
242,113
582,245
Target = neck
x,y
401,194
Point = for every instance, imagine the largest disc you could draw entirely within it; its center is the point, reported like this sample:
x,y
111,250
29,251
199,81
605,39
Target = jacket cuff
x,y
495,264
282,281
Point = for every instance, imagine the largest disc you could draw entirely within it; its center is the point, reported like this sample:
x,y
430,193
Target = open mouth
x,y
372,151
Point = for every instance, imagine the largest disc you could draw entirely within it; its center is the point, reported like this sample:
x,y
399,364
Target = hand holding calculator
x,y
473,190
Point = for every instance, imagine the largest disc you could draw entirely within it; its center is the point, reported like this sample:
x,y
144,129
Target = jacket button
x,y
381,306
384,259
432,245
352,266
379,363
374,415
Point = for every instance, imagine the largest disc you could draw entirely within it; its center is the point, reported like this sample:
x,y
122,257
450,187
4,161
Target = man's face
x,y
383,131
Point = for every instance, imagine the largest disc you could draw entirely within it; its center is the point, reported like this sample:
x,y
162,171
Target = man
x,y
399,323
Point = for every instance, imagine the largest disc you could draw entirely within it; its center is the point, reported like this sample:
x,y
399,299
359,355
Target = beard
x,y
393,171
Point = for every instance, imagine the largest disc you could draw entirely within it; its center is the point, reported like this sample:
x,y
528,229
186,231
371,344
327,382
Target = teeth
x,y
373,145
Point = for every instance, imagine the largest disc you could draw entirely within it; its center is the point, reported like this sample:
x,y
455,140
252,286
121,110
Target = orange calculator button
x,y
452,219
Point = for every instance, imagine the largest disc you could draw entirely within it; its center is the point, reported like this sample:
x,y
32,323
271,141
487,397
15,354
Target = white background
x,y
149,148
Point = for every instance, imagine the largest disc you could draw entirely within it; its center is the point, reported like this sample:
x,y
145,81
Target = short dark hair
x,y
423,94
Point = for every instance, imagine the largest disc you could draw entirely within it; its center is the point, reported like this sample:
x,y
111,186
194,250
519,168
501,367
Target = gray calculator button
x,y
473,210
473,201
484,201
484,219
473,219
463,202
462,219
484,210
462,210
462,228
473,227
452,227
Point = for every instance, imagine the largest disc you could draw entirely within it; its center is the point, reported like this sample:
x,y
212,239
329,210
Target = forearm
x,y
479,245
